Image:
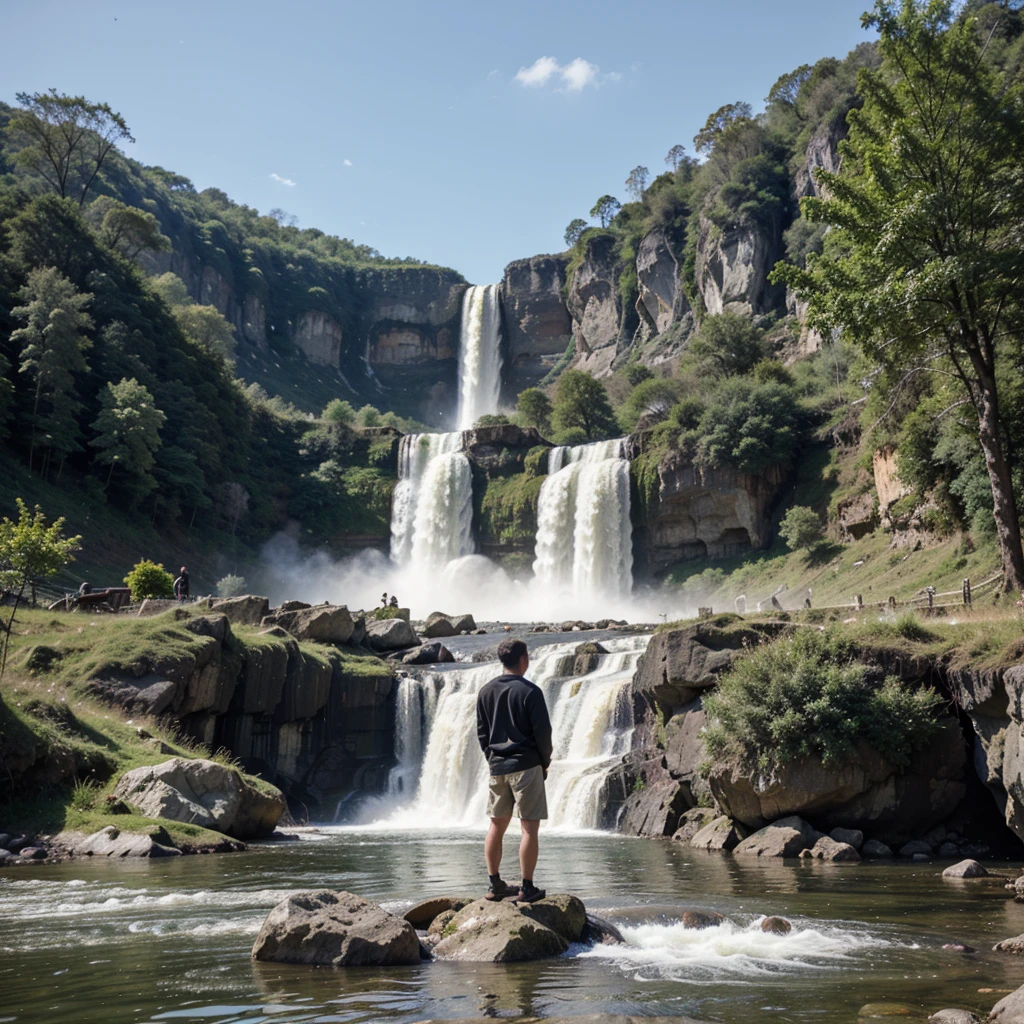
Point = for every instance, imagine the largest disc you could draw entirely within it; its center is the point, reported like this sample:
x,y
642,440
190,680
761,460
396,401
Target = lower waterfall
x,y
584,533
441,776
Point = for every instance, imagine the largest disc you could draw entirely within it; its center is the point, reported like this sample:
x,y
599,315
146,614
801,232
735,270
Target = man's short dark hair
x,y
510,652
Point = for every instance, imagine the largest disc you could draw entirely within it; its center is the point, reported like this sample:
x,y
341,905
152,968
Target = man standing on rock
x,y
514,730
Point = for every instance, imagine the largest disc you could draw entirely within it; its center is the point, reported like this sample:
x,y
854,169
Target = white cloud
x,y
538,72
575,76
287,182
347,163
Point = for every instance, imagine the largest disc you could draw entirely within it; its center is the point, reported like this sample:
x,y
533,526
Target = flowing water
x,y
584,533
479,355
169,940
441,779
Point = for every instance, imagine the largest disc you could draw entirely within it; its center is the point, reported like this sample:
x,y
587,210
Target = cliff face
x,y
690,513
661,301
733,266
536,326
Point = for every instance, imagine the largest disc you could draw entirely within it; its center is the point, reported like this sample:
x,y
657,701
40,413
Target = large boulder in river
x,y
438,627
1009,1009
486,932
201,792
868,792
324,623
390,635
335,929
784,838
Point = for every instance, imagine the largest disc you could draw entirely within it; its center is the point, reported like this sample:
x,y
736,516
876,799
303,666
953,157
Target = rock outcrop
x,y
323,623
661,301
335,929
205,793
536,326
317,336
732,269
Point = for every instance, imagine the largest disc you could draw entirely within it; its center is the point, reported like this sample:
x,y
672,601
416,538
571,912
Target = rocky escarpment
x,y
536,326
685,512
732,268
661,301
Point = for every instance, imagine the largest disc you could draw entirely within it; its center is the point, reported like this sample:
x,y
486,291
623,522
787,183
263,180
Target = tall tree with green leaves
x,y
924,261
66,139
605,210
574,230
207,326
53,345
126,228
636,183
675,156
30,550
534,409
582,401
128,433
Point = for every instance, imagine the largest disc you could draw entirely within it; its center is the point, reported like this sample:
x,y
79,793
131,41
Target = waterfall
x,y
584,534
479,355
441,776
432,508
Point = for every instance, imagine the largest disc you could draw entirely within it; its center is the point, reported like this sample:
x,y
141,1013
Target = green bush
x,y
806,697
149,579
230,586
800,528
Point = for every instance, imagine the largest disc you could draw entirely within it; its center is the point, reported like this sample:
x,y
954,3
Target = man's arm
x,y
483,729
541,724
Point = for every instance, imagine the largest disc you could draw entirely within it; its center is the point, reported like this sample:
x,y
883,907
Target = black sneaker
x,y
500,891
530,894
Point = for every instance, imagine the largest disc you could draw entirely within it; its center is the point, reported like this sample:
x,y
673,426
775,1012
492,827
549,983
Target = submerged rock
x,y
487,932
700,919
873,848
205,793
335,929
112,842
776,926
827,848
599,932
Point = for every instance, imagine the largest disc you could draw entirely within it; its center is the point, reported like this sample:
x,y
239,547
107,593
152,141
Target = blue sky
x,y
426,130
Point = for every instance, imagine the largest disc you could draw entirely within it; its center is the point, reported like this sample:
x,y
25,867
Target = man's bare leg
x,y
529,847
492,844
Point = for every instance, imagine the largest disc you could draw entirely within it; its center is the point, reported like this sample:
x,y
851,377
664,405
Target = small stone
x,y
921,857
851,836
870,1010
915,846
965,869
776,926
1013,945
702,919
952,1016
959,947
32,853
873,848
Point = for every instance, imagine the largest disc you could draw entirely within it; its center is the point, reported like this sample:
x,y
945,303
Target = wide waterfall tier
x,y
479,355
432,508
584,534
441,777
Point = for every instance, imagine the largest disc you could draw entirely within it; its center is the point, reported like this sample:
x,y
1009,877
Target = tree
x,y
637,181
675,156
787,87
128,432
231,586
800,528
30,550
66,138
208,328
581,401
127,229
171,289
534,408
368,416
492,419
53,344
149,579
637,373
923,264
728,344
717,122
338,411
605,210
574,230
653,397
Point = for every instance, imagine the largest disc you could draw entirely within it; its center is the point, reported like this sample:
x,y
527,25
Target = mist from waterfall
x,y
479,355
432,508
441,776
584,533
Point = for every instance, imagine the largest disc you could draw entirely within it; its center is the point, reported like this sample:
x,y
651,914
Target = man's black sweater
x,y
512,725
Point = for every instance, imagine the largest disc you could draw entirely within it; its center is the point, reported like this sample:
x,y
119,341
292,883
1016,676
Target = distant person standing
x,y
181,591
514,731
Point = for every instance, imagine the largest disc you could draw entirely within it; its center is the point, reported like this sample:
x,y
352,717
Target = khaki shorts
x,y
522,792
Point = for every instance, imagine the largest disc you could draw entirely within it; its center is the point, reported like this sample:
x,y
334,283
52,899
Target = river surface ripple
x,y
169,940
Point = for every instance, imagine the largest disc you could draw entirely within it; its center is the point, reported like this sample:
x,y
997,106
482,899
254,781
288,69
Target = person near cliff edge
x,y
181,591
514,731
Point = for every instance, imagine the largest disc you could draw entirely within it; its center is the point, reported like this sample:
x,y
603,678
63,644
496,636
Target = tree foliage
x,y
581,402
718,122
636,183
128,433
605,209
127,229
800,528
149,579
574,230
534,409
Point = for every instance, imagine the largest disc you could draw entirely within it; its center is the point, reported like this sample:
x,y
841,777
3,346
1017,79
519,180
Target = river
x,y
169,940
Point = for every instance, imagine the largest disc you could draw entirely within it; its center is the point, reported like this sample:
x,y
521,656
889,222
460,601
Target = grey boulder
x,y
323,623
390,635
827,848
113,843
429,654
205,793
335,929
720,834
786,837
246,610
965,869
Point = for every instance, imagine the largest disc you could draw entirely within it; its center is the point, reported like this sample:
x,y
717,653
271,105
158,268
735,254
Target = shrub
x,y
339,411
231,586
805,697
800,528
654,397
492,419
149,579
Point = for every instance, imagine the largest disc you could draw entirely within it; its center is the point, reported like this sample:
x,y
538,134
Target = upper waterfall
x,y
584,534
479,355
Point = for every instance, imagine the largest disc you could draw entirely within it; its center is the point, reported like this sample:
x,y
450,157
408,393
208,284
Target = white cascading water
x,y
441,776
479,355
584,534
432,509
